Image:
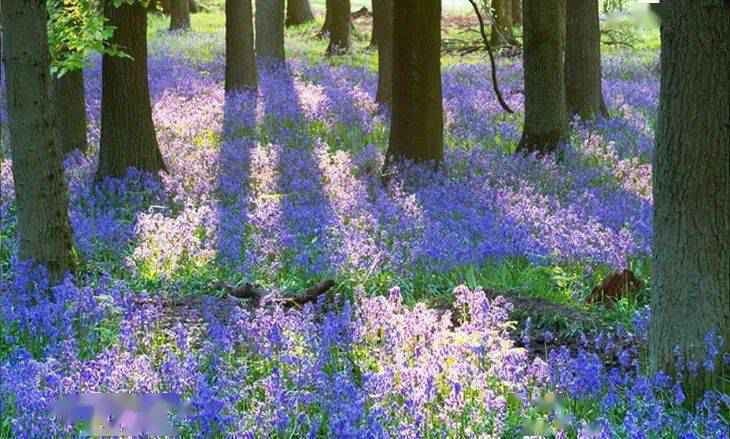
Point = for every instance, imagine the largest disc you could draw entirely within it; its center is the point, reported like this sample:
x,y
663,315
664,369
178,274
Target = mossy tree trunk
x,y
383,15
298,12
240,56
416,131
180,15
41,200
127,132
339,26
583,91
546,121
691,184
70,107
270,30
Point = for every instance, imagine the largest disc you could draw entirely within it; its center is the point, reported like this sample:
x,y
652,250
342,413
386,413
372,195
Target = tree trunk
x,y
517,12
70,107
298,12
180,15
383,15
691,267
502,29
326,25
583,91
416,131
374,29
339,28
240,57
42,226
270,29
127,131
193,6
546,120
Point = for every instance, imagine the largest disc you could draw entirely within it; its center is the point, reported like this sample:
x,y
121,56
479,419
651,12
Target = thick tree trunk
x,y
383,15
298,12
240,57
416,131
502,30
546,120
326,25
270,29
583,91
42,226
180,15
517,12
339,26
70,107
691,181
127,131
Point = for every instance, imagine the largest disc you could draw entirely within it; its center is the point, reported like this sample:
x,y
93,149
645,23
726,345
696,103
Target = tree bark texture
x,y
691,184
180,15
502,29
298,12
383,15
546,121
70,106
127,132
240,56
517,12
270,29
583,91
42,227
339,26
416,131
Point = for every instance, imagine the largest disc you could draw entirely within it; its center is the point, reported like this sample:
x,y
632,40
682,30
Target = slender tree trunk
x,y
583,91
127,132
416,131
270,29
42,226
193,6
502,30
546,120
70,107
383,15
180,15
517,12
298,12
339,26
240,57
691,182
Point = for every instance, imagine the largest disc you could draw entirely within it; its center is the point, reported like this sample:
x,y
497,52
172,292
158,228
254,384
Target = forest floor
x,y
281,188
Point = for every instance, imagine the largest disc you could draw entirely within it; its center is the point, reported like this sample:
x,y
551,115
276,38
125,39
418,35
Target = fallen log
x,y
257,295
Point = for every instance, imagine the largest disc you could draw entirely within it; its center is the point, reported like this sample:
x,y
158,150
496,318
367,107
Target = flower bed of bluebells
x,y
284,184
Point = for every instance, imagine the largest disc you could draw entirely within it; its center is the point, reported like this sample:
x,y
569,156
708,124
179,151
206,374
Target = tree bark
x,y
70,107
42,226
179,15
240,56
416,131
583,91
298,12
502,29
383,15
374,29
517,12
546,121
127,132
691,184
270,30
339,26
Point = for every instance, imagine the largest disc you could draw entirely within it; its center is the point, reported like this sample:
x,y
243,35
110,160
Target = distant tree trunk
x,y
546,120
383,15
41,200
240,57
517,12
339,26
298,12
416,131
583,91
193,6
270,29
127,131
691,267
502,30
180,15
70,107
